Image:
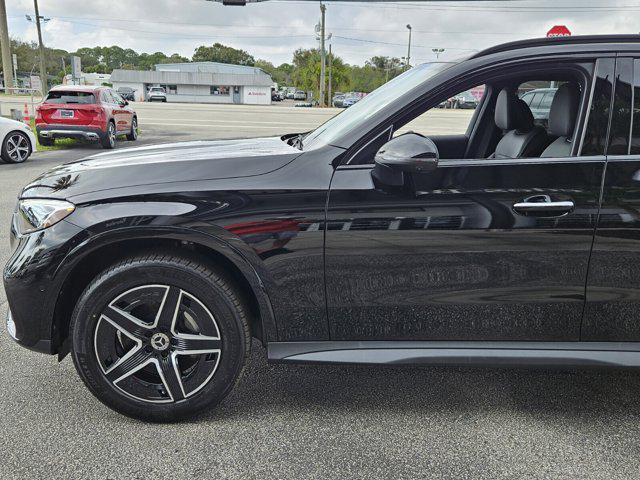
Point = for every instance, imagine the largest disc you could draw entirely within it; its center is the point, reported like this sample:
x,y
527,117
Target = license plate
x,y
66,113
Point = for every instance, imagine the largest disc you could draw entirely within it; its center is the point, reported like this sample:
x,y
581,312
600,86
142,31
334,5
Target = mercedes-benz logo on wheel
x,y
160,341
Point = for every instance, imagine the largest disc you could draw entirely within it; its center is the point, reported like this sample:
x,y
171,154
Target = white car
x,y
18,141
157,93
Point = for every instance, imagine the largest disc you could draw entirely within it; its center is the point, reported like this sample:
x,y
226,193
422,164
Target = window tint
x,y
116,97
621,118
635,120
595,138
437,122
70,97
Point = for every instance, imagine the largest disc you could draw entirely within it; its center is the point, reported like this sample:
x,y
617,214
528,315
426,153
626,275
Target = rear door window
x,y
622,103
596,133
70,97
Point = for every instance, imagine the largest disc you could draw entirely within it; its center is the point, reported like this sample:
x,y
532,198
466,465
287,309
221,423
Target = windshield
x,y
329,131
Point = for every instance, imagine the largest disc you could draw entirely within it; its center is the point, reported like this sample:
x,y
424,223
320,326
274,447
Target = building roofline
x,y
558,41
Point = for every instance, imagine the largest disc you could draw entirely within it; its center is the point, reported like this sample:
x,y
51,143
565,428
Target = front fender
x,y
111,229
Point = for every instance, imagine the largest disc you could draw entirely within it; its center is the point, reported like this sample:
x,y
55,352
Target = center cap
x,y
160,341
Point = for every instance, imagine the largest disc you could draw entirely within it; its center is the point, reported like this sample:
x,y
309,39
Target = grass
x,y
60,143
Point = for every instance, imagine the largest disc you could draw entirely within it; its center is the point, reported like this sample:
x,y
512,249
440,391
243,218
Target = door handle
x,y
543,206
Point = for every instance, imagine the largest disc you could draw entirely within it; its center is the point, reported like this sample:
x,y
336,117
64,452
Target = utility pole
x,y
7,66
43,70
329,98
409,49
323,60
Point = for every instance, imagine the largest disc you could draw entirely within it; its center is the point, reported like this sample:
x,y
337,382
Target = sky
x,y
272,30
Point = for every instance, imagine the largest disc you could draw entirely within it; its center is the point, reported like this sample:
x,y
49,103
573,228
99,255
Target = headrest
x,y
512,113
564,109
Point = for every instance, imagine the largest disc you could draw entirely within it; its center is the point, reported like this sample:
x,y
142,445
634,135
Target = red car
x,y
87,112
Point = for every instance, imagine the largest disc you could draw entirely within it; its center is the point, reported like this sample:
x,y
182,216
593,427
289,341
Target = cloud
x,y
273,30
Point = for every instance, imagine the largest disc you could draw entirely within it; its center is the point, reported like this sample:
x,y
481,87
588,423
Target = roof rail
x,y
548,41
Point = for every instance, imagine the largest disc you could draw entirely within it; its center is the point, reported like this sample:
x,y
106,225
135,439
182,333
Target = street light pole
x,y
7,66
329,98
323,60
409,49
43,70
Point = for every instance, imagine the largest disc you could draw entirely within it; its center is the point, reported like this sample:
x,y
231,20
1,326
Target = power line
x,y
377,28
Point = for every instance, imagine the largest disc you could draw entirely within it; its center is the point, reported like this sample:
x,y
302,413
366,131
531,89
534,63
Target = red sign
x,y
559,31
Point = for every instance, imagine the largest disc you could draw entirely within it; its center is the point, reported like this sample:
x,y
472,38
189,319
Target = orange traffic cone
x,y
25,116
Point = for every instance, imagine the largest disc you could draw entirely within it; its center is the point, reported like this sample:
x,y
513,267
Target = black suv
x,y
498,243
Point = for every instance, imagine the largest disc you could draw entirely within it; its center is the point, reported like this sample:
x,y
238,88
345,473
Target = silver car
x,y
157,94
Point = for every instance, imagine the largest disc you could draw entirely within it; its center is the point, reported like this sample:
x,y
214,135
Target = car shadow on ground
x,y
582,394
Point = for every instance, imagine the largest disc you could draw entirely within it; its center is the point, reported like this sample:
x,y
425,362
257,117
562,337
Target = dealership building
x,y
200,82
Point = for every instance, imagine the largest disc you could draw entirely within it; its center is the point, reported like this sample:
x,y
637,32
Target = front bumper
x,y
33,280
70,131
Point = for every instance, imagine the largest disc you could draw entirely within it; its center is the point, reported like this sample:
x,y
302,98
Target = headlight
x,y
37,214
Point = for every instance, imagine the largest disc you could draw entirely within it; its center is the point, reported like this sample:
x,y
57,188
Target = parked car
x,y
539,101
337,99
299,95
157,94
85,112
350,100
275,96
18,141
127,93
353,243
465,100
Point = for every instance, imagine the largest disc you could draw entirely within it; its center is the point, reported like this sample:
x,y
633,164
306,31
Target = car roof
x,y
76,88
586,40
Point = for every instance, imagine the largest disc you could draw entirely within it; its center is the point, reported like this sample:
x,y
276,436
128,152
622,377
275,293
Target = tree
x,y
223,54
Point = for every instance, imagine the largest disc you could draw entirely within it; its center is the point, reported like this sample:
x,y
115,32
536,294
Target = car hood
x,y
156,164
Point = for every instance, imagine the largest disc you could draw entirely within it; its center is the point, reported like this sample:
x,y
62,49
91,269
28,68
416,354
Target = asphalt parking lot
x,y
299,422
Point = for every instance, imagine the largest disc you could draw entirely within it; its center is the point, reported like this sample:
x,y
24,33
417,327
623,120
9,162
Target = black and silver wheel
x,y
109,139
134,130
16,147
159,337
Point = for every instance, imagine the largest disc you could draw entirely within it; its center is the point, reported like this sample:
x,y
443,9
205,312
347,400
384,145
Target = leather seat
x,y
562,120
522,137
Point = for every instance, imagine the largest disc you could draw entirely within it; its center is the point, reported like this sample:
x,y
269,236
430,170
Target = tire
x,y
108,140
16,147
133,136
160,282
46,142
164,100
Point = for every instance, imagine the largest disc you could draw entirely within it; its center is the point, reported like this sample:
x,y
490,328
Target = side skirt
x,y
615,354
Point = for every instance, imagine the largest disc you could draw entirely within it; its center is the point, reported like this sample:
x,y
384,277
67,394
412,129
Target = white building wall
x,y
256,95
202,94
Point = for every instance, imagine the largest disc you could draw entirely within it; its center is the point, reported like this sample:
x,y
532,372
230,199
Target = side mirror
x,y
407,154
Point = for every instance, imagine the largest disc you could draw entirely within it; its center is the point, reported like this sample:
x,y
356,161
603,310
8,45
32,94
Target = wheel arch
x,y
83,263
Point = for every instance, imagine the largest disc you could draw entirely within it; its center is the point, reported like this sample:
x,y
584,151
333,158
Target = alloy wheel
x,y
18,147
112,135
157,343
